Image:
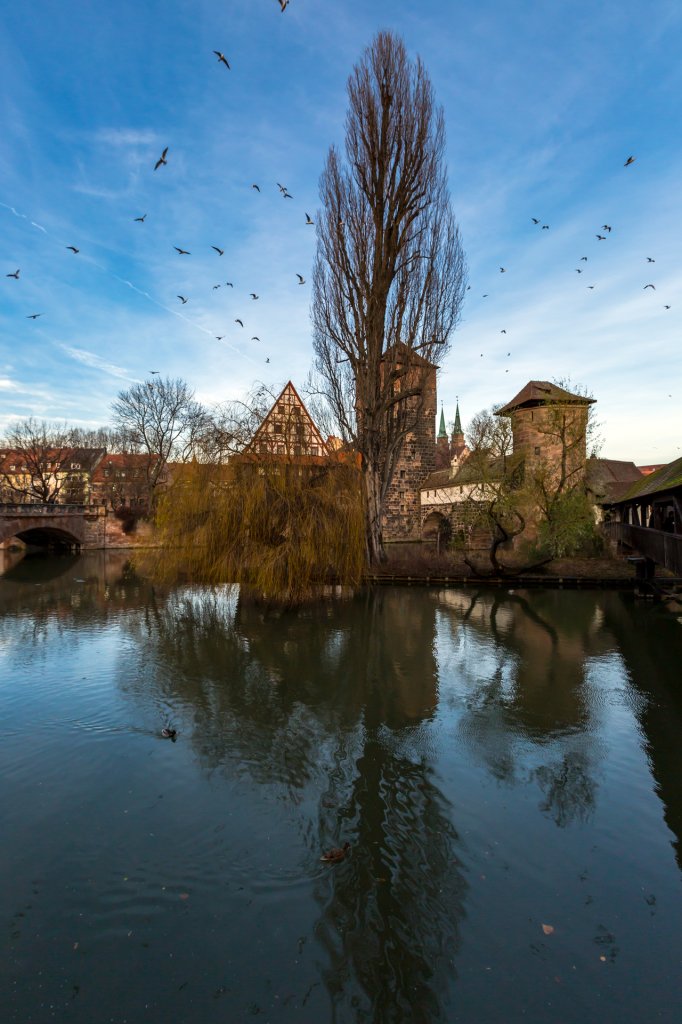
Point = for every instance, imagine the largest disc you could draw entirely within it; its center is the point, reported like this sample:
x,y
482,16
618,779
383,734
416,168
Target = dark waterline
x,y
499,761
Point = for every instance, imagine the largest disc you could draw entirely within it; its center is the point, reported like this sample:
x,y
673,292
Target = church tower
x,y
442,444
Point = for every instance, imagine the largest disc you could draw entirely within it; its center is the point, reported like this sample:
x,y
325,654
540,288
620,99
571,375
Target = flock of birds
x,y
163,162
600,238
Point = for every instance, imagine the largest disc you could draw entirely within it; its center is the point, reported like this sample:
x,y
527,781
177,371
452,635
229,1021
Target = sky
x,y
544,103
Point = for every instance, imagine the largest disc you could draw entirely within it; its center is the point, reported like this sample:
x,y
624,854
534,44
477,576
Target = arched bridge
x,y
45,525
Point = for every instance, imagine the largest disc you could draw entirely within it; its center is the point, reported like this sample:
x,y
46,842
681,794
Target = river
x,y
506,765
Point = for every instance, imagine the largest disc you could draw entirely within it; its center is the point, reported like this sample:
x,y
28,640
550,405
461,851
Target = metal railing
x,y
663,548
50,510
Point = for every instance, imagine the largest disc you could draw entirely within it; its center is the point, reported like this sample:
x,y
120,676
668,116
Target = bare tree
x,y
390,273
164,420
40,450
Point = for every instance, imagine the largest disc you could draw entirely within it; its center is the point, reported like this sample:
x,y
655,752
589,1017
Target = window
x,y
279,429
12,469
461,489
531,417
402,508
280,410
75,465
297,449
105,473
402,495
280,449
263,446
537,451
314,449
402,474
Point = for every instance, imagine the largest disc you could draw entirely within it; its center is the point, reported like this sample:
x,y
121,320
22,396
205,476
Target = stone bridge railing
x,y
50,511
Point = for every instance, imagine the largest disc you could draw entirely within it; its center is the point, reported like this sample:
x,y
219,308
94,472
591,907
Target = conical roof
x,y
457,429
442,432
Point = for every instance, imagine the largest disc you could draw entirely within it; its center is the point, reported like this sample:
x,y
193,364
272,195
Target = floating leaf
x,y
184,895
547,929
75,945
602,958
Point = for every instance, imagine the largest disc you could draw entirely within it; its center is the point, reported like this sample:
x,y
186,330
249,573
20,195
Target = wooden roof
x,y
539,392
667,478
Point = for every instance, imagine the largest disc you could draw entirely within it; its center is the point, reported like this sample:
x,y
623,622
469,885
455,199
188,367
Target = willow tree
x,y
390,273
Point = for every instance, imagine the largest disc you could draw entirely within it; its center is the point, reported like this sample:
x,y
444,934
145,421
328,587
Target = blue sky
x,y
543,102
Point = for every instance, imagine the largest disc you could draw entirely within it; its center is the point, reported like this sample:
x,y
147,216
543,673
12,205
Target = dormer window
x,y
75,465
12,469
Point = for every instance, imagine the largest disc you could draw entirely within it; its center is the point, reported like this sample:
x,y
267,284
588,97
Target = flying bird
x,y
141,218
220,337
183,300
590,286
648,286
71,247
228,284
502,270
583,257
215,286
300,279
183,252
630,160
238,321
485,296
34,317
221,59
280,187
162,159
605,227
256,188
535,220
667,307
283,4
154,371
649,260
253,295
286,195
255,338
268,359
16,274
503,332
578,271
601,237
545,227
308,220
219,251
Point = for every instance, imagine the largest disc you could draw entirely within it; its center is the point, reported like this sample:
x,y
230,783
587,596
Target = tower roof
x,y
457,429
442,432
539,392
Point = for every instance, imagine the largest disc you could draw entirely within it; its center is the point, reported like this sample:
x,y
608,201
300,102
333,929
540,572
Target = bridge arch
x,y
35,530
432,525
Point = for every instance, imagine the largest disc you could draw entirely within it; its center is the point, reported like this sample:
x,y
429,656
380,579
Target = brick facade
x,y
402,511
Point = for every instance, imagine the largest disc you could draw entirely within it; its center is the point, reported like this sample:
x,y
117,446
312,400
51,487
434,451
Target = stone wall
x,y
402,512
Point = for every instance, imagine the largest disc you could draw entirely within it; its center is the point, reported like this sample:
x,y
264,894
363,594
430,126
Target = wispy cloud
x,y
7,385
125,137
81,355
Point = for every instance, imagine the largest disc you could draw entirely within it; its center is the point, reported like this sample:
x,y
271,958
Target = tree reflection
x,y
533,688
332,702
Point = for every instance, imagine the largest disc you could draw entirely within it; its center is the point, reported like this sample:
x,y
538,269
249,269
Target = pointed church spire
x,y
442,432
458,426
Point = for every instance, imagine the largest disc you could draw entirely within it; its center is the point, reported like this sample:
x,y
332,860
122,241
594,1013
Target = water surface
x,y
507,766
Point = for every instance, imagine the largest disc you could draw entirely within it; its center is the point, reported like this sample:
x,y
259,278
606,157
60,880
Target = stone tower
x,y
402,509
539,413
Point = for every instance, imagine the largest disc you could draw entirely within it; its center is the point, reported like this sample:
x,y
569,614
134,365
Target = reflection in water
x,y
444,734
